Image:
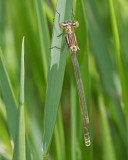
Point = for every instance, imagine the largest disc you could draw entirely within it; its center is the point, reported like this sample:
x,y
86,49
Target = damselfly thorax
x,y
70,36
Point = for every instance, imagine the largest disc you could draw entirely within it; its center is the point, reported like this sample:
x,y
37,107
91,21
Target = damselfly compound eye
x,y
63,25
75,24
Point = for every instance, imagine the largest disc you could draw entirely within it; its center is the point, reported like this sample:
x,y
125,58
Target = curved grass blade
x,y
74,116
8,96
34,137
48,11
44,39
19,145
55,74
119,60
5,143
43,34
59,137
107,143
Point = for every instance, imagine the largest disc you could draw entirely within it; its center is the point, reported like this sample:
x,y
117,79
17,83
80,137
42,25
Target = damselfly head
x,y
69,23
65,24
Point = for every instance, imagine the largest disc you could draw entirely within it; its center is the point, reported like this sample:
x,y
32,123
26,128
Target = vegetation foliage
x,y
40,115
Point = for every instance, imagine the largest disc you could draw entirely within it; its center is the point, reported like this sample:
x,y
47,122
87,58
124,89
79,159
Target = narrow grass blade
x,y
48,11
59,137
8,96
119,60
45,44
5,143
28,153
19,145
55,74
34,137
107,145
43,34
83,60
74,123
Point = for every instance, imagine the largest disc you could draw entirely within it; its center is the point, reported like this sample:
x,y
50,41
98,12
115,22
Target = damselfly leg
x,y
58,35
59,47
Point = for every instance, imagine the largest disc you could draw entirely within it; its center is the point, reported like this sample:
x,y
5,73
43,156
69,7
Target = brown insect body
x,y
70,35
73,47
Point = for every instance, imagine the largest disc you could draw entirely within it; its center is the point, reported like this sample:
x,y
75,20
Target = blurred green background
x,y
102,38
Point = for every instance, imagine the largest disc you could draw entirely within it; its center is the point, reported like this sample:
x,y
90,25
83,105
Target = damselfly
x,y
73,47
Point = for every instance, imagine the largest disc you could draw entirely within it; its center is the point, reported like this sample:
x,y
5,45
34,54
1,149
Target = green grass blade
x,y
55,74
82,55
5,143
8,96
43,34
28,153
73,121
45,44
48,11
119,60
22,70
59,137
19,145
108,148
34,137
